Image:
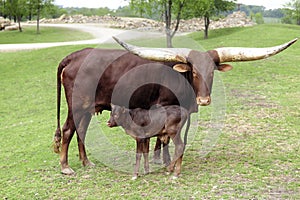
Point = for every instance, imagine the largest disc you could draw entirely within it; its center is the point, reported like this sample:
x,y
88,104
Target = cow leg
x,y
177,160
81,133
138,156
166,153
68,132
57,140
157,149
146,142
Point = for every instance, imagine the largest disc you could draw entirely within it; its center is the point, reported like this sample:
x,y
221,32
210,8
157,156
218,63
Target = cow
x,y
137,77
141,124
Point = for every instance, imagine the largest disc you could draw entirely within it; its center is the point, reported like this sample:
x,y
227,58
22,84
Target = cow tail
x,y
57,136
187,129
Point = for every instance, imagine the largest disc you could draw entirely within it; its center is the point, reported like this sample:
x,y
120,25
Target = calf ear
x,y
181,68
224,67
123,109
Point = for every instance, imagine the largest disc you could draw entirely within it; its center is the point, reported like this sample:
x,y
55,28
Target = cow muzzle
x,y
203,101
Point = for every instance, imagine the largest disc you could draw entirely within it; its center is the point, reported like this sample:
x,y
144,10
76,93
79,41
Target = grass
x,y
256,156
47,34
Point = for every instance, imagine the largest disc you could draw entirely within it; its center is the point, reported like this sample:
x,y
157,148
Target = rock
x,y
4,22
236,19
12,27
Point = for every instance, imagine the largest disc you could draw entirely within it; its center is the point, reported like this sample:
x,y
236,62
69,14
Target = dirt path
x,y
101,33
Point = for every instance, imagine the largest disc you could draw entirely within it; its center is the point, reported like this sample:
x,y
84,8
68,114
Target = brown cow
x,y
95,78
164,122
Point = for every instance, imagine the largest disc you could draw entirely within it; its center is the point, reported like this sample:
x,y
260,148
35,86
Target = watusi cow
x,y
141,124
90,78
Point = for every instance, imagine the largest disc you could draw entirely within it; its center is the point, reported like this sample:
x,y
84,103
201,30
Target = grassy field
x,y
47,34
256,155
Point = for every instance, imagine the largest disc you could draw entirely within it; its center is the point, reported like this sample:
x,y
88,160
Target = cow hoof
x,y
88,164
134,178
170,168
67,171
174,177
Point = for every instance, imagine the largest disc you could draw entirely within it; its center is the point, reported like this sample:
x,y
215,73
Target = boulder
x,y
236,19
4,22
12,27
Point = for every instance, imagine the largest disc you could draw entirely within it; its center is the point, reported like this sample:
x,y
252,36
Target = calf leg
x,y
157,150
138,155
146,142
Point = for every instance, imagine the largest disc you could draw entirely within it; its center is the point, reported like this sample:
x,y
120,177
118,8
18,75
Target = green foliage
x,y
274,13
25,9
201,8
88,11
207,9
168,10
145,8
292,11
52,12
256,156
125,11
249,9
258,18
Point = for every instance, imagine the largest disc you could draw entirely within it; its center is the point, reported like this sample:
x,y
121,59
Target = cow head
x,y
203,64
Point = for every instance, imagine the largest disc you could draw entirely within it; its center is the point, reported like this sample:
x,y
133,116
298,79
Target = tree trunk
x,y
169,38
19,23
38,20
206,24
168,18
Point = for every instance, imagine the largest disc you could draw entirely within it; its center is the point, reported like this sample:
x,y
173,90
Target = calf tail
x,y
57,136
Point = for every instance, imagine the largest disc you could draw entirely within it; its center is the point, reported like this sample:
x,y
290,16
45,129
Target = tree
x,y
209,8
292,11
258,18
36,6
17,9
166,8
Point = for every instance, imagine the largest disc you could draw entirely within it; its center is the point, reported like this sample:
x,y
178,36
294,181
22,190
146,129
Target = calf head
x,y
118,116
203,64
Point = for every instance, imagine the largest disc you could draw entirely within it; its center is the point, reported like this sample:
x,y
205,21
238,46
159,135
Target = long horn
x,y
235,54
157,54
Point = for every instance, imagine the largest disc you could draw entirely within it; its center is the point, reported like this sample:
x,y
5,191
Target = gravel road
x,y
101,33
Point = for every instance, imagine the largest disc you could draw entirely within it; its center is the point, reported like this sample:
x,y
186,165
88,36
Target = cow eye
x,y
195,75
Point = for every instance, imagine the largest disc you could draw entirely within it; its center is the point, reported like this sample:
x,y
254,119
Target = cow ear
x,y
182,68
112,105
224,67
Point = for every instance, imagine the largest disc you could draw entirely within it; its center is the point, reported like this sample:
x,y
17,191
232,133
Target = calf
x,y
164,122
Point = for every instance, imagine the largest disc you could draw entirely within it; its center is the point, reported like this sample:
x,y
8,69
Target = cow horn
x,y
234,54
157,54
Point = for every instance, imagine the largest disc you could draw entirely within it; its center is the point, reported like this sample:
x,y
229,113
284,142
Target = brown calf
x,y
165,122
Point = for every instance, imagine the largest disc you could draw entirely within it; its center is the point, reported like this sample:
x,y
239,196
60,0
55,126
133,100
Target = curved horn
x,y
157,54
234,54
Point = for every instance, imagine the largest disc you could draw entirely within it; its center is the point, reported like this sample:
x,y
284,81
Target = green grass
x,y
47,34
256,157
